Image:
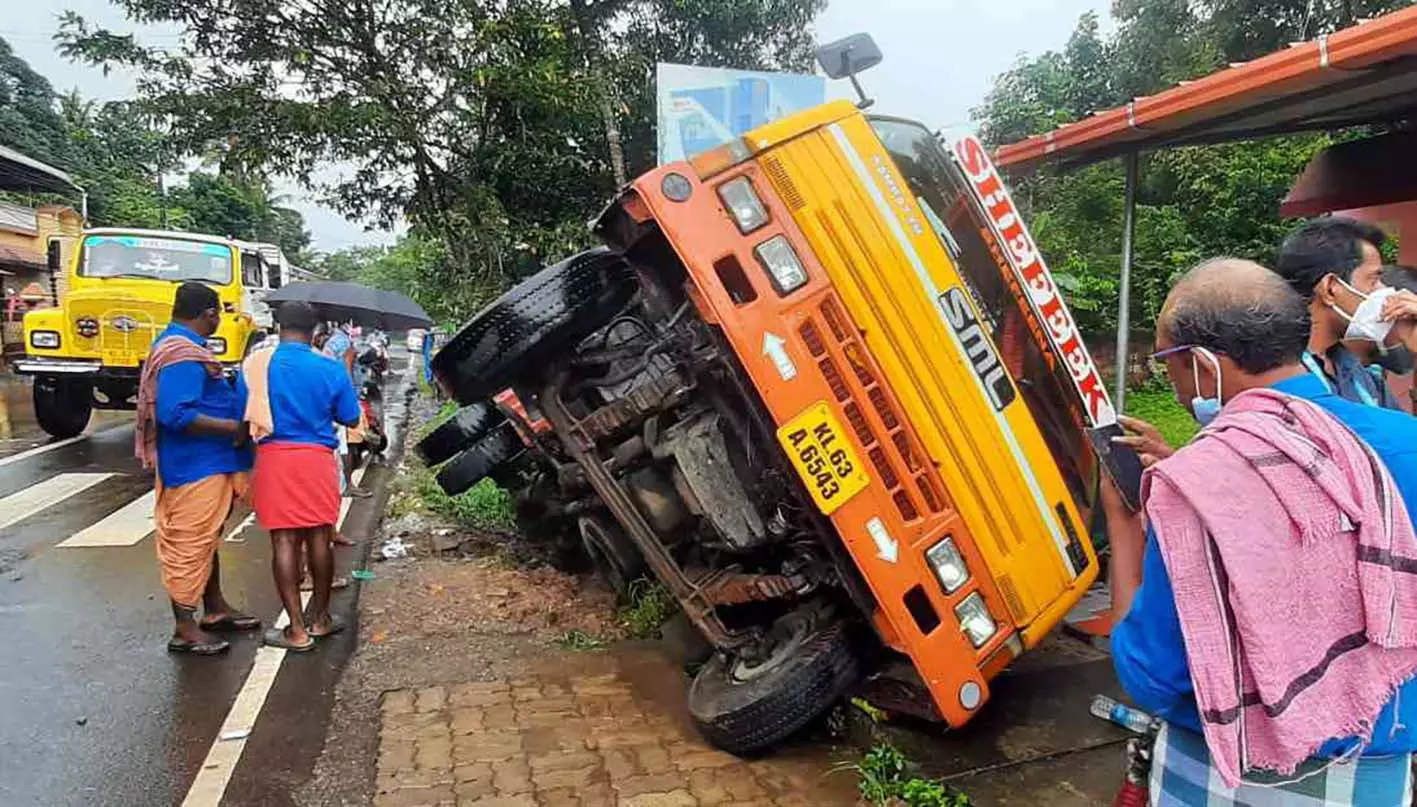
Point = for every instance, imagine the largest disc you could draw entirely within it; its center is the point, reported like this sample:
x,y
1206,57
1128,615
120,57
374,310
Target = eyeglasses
x,y
1171,351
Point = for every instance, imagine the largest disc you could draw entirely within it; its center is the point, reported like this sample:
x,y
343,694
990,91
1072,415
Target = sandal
x,y
211,648
275,637
336,626
231,623
306,584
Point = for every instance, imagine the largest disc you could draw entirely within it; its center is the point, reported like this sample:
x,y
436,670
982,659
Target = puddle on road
x,y
18,429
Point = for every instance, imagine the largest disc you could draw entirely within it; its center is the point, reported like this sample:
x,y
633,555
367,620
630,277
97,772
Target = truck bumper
x,y
32,366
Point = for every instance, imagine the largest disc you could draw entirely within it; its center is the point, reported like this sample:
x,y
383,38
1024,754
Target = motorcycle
x,y
376,440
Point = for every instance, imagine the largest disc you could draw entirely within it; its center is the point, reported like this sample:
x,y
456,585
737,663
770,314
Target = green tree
x,y
493,128
29,121
1193,202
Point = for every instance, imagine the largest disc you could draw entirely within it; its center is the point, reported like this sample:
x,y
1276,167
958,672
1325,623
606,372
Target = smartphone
x,y
1119,462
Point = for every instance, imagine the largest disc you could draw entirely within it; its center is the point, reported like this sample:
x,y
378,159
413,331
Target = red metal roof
x,y
1363,74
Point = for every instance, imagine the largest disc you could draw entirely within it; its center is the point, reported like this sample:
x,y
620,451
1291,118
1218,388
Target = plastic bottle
x,y
1121,714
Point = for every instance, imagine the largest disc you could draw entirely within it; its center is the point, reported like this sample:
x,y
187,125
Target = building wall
x,y
26,231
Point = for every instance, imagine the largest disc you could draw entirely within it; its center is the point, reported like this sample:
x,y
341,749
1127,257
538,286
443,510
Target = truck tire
x,y
612,554
525,328
495,449
62,405
458,432
743,708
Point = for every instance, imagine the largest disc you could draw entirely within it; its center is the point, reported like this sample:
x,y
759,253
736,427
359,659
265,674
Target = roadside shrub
x,y
648,605
884,779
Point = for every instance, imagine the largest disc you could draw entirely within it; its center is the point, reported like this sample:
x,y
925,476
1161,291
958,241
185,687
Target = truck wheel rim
x,y
783,647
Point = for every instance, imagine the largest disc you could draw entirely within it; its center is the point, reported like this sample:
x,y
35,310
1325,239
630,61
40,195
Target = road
x,y
96,711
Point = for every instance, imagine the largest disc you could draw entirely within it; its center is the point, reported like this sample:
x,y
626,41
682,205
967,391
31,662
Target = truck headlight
x,y
784,267
743,204
47,340
974,619
216,344
948,564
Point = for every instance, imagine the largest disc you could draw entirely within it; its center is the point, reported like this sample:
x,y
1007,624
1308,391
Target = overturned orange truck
x,y
821,386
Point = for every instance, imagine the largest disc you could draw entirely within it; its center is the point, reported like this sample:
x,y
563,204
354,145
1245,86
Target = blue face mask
x,y
1204,410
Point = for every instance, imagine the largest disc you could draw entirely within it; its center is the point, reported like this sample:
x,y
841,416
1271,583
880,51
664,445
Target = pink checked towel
x,y
1295,570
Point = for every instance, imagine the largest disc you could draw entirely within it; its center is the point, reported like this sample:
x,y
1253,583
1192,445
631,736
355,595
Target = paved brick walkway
x,y
551,741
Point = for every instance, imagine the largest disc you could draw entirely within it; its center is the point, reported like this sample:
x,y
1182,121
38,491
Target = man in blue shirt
x,y
307,395
340,346
200,470
1227,327
1334,263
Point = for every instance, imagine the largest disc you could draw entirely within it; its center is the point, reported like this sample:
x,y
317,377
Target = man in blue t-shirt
x,y
339,345
1231,326
297,496
200,469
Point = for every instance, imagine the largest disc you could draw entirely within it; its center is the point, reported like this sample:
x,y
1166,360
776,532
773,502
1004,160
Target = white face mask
x,y
1366,322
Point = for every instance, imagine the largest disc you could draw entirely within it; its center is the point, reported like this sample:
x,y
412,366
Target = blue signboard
x,y
702,107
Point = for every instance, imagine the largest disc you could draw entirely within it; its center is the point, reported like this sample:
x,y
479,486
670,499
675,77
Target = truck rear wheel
x,y
744,705
541,316
458,432
63,405
483,459
612,554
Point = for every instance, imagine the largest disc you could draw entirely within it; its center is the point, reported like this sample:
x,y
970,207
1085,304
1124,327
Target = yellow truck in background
x,y
87,353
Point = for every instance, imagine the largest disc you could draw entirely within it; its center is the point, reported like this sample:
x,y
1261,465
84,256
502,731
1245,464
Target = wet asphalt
x,y
93,709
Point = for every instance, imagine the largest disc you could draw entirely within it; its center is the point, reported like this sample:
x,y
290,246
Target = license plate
x,y
120,358
822,455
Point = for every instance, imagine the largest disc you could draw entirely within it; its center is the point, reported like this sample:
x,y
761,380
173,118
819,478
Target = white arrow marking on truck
x,y
886,547
775,348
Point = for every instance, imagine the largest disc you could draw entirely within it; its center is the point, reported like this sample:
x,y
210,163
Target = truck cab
x,y
87,353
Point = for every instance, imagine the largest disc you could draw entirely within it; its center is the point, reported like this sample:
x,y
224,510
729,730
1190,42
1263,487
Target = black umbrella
x,y
387,310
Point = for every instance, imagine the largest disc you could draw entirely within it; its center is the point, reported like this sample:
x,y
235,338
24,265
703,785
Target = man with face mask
x,y
1244,625
1335,264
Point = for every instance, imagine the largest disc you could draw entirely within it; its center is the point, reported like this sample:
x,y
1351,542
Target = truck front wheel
x,y
62,405
745,704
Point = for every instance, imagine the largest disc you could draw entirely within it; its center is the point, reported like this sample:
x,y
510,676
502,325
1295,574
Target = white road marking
x,y
125,526
37,450
20,506
241,529
215,774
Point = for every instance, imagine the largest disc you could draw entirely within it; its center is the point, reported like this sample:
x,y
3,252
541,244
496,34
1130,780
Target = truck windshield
x,y
1041,378
172,259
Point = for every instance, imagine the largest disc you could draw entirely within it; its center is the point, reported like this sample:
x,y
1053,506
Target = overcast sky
x,y
940,56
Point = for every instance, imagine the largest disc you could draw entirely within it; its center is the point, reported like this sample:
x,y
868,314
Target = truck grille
x,y
126,328
896,459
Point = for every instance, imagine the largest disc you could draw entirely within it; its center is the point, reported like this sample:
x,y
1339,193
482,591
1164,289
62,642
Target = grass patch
x,y
884,778
484,506
578,641
648,605
1159,408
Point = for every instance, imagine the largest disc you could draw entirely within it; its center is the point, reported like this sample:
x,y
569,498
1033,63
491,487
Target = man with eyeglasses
x,y
1248,622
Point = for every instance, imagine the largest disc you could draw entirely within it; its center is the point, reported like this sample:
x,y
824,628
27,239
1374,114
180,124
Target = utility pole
x,y
162,199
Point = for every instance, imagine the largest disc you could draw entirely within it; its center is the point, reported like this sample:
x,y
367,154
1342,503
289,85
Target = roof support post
x,y
1124,303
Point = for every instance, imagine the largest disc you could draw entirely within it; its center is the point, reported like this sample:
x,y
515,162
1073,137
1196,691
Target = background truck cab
x,y
86,353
